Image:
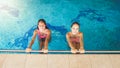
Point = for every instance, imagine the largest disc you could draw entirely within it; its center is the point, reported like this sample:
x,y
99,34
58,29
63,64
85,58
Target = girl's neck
x,y
74,34
42,30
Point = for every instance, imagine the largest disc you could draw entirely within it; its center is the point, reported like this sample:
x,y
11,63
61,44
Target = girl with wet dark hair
x,y
75,38
43,34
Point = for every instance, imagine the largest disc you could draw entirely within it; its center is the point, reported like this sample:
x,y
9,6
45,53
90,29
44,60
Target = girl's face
x,y
41,26
75,29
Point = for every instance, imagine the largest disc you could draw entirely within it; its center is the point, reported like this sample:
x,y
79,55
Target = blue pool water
x,y
99,21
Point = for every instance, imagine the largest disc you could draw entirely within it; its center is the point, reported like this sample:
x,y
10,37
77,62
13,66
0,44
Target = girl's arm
x,y
33,38
68,40
81,41
47,39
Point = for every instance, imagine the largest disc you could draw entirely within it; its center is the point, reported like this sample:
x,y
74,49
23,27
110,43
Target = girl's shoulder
x,y
36,30
68,33
80,33
47,30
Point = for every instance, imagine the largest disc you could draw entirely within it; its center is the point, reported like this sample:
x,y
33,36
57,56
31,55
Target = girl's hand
x,y
73,51
28,49
45,50
82,50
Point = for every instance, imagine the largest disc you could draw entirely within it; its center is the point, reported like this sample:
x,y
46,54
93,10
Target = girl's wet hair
x,y
75,23
43,22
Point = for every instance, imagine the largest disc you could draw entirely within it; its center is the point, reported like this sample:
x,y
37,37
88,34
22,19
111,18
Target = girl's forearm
x,y
31,43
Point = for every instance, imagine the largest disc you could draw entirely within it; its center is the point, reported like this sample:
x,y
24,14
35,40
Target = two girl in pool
x,y
74,38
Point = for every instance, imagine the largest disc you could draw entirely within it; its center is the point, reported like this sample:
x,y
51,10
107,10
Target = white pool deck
x,y
59,60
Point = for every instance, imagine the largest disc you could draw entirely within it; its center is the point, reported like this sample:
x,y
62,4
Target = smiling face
x,y
75,29
41,26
